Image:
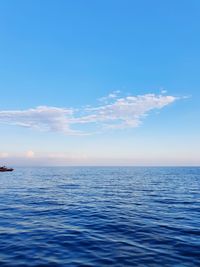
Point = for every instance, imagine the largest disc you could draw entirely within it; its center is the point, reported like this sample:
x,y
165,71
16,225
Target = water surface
x,y
100,217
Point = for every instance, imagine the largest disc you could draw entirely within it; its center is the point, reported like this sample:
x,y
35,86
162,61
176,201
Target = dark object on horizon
x,y
4,169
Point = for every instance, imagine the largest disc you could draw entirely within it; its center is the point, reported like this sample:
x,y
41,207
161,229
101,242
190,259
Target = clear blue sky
x,y
69,54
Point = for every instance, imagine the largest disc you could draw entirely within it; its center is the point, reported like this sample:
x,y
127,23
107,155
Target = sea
x,y
100,216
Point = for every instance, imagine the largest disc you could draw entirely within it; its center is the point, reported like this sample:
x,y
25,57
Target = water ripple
x,y
100,217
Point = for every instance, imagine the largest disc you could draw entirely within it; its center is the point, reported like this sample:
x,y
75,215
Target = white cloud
x,y
112,95
163,91
30,154
4,155
42,117
126,112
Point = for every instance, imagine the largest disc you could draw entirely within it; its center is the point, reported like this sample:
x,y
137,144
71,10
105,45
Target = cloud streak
x,y
118,113
42,118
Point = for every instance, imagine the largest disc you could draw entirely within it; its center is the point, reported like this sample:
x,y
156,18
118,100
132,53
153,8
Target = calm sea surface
x,y
100,217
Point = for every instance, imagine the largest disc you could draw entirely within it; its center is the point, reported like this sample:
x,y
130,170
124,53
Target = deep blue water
x,y
100,217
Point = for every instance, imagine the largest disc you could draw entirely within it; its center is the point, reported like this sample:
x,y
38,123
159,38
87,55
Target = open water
x,y
89,216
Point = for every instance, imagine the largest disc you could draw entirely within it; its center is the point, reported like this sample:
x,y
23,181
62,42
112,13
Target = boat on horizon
x,y
5,169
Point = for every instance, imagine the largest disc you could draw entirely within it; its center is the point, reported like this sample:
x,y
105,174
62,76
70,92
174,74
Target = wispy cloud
x,y
112,95
115,113
30,154
3,155
126,112
42,118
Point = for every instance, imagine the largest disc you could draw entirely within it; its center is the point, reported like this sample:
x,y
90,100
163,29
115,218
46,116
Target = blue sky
x,y
58,59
